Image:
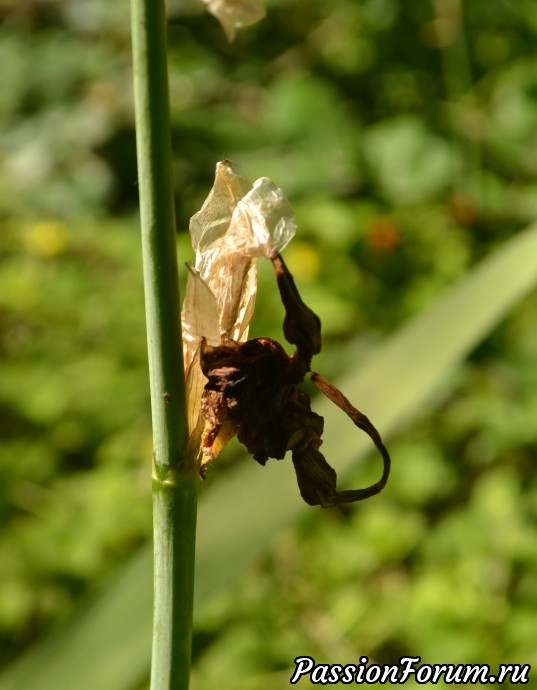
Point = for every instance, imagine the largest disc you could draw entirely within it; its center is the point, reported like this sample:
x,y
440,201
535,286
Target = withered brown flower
x,y
251,387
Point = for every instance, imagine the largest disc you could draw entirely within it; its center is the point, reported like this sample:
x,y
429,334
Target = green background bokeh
x,y
405,136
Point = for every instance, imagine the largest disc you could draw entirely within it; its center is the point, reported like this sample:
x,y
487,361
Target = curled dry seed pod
x,y
234,14
251,386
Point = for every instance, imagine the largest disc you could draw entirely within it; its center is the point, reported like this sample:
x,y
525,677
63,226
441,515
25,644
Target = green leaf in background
x,y
107,645
409,162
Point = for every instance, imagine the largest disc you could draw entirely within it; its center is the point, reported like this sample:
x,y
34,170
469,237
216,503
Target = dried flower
x,y
237,223
250,387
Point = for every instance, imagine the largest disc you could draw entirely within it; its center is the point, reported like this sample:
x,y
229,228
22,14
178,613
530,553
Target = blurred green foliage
x,y
405,134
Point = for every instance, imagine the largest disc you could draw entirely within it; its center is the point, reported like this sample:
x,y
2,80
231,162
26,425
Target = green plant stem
x,y
174,472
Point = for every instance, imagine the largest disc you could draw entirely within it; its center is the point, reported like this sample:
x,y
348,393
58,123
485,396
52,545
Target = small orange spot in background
x,y
382,234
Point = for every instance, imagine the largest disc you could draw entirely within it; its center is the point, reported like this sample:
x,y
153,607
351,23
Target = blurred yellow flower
x,y
303,260
47,238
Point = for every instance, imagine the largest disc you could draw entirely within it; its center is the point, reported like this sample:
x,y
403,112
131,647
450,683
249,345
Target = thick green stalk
x,y
175,475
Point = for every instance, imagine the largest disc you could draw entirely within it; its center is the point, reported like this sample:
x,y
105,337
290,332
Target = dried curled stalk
x,y
251,386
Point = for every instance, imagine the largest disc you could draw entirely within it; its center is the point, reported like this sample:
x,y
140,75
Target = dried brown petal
x,y
301,326
363,423
248,385
316,479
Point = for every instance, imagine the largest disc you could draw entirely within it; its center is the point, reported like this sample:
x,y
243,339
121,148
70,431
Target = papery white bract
x,y
237,223
199,315
222,261
212,221
233,14
267,213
